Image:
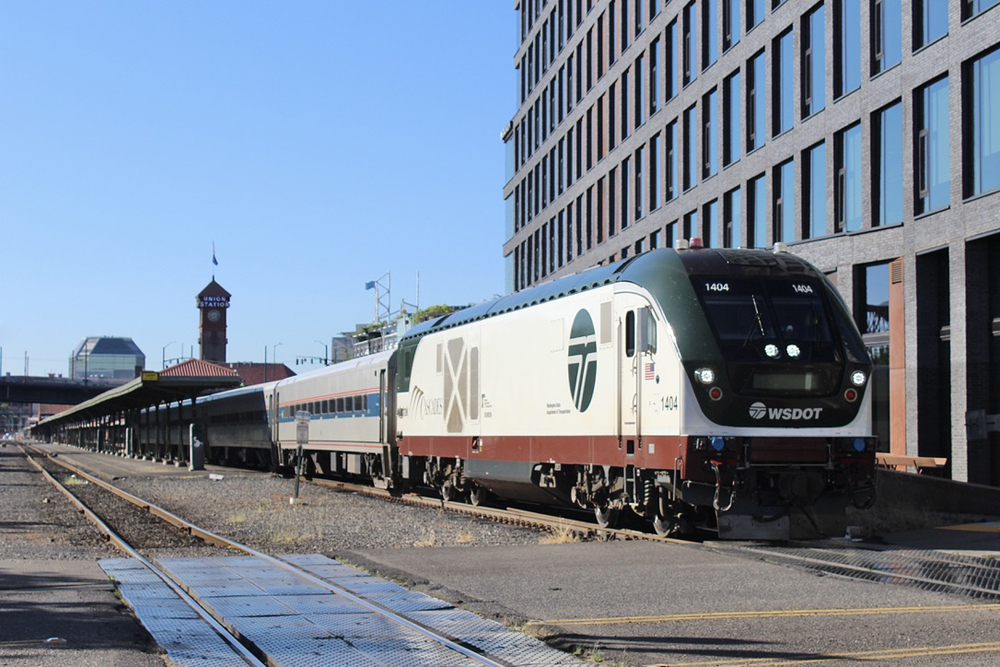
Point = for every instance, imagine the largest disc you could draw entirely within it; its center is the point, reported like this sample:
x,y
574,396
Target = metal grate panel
x,y
322,604
410,652
457,622
972,576
519,649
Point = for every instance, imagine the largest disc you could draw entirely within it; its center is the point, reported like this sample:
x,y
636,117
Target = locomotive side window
x,y
630,334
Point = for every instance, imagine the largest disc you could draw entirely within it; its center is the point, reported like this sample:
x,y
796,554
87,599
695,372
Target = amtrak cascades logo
x,y
582,360
758,411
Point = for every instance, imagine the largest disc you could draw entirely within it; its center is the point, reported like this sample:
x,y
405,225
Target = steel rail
x,y
208,536
119,542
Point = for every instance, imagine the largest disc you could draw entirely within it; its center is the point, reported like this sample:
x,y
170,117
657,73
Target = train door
x,y
636,342
628,395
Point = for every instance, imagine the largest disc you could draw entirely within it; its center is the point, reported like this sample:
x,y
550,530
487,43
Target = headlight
x,y
793,351
705,375
858,378
772,350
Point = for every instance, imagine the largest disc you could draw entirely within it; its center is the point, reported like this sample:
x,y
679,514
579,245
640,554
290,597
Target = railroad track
x,y
967,576
240,646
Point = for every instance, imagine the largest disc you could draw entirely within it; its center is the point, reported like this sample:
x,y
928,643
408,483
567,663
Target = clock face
x,y
214,315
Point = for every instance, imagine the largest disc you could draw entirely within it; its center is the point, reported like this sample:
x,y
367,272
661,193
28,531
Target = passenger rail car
x,y
717,388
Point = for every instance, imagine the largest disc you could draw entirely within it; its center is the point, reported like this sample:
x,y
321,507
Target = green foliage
x,y
431,313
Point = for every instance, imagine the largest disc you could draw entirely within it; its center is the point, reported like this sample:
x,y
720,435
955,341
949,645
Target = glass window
x,y
654,73
784,202
756,113
625,102
709,37
757,212
689,60
730,23
847,46
731,216
691,224
782,85
731,119
670,62
654,183
933,150
711,229
690,146
887,34
638,82
813,61
930,21
637,196
887,145
710,135
984,114
626,187
848,184
670,155
755,13
814,195
972,7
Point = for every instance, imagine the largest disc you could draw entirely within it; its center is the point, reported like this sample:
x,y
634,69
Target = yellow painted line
x,y
707,616
975,527
887,654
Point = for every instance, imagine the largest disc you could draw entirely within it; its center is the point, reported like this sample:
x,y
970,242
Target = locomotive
x,y
715,388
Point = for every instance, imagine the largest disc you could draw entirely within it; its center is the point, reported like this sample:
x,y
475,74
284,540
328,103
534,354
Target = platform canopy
x,y
186,380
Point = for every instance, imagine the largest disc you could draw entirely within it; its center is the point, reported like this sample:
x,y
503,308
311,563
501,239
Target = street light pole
x,y
163,363
326,352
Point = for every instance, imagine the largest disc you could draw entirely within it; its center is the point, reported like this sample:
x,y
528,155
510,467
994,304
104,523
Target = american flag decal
x,y
650,371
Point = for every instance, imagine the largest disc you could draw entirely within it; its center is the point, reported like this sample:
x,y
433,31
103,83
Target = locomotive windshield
x,y
776,332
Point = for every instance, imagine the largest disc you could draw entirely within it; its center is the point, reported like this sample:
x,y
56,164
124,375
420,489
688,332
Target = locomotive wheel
x,y
607,517
664,526
477,495
447,491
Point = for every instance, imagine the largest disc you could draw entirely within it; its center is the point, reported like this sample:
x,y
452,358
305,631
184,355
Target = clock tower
x,y
213,301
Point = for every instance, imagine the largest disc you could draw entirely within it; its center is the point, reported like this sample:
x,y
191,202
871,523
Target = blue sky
x,y
320,145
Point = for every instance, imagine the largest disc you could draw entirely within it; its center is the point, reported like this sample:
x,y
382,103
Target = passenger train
x,y
715,388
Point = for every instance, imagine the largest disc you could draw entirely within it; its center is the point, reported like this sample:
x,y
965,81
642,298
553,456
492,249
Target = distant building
x,y
101,358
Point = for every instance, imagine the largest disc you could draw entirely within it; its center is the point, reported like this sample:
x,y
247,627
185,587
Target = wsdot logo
x,y
758,411
582,360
